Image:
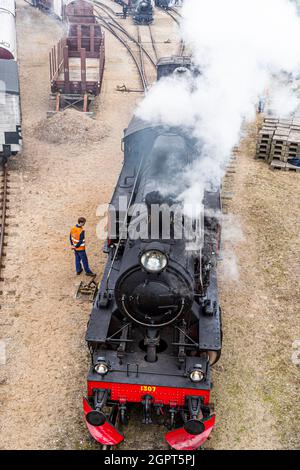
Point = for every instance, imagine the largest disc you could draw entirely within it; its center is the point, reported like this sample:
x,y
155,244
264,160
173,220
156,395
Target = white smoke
x,y
240,46
284,101
232,235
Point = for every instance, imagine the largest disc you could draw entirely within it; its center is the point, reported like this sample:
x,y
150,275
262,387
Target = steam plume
x,y
240,47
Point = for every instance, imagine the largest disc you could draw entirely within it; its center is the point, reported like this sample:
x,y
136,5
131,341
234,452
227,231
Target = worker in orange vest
x,y
77,240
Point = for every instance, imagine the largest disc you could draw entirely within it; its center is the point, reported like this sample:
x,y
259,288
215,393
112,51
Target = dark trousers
x,y
81,257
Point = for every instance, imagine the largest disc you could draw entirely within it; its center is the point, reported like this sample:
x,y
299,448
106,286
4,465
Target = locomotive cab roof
x,y
136,124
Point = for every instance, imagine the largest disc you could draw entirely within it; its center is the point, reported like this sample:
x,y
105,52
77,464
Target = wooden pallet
x,y
278,141
262,154
264,141
283,166
271,121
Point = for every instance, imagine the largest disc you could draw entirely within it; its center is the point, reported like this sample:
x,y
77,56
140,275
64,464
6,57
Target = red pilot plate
x,y
105,434
180,439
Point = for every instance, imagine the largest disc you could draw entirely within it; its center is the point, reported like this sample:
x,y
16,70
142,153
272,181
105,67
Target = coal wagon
x,y
77,62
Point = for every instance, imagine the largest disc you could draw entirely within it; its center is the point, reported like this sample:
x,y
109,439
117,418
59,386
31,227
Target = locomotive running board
x,y
180,439
106,434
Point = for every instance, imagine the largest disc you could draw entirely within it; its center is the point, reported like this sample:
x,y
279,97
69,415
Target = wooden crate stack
x,y
279,141
264,142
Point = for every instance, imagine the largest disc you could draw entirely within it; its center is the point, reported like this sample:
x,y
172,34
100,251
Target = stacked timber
x,y
279,143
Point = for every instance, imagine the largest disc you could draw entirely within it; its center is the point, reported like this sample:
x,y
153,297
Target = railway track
x,y
176,12
106,25
111,10
120,33
142,62
181,48
153,43
172,12
4,192
115,24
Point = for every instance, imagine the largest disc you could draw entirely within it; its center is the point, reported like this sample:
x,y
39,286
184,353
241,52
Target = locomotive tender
x,y
10,113
176,64
155,327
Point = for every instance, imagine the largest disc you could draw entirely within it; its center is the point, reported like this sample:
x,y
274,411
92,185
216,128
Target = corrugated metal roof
x,y
9,75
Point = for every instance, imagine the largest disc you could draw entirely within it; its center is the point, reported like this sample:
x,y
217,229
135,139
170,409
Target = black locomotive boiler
x,y
155,328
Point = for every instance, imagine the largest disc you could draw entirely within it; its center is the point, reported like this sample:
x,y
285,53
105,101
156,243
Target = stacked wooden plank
x,y
264,142
279,142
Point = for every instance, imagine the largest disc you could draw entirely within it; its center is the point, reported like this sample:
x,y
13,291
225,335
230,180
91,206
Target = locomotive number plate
x,y
147,388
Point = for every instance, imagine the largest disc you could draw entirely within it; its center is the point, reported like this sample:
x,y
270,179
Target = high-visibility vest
x,y
75,237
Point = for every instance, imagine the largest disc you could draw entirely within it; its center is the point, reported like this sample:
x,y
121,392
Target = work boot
x,y
91,274
79,272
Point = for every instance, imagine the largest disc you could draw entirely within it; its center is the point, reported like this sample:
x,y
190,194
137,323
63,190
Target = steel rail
x,y
142,58
107,26
153,43
4,194
175,11
123,30
168,12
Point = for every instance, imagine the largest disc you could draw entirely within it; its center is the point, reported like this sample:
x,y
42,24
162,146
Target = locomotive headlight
x,y
101,367
154,261
196,375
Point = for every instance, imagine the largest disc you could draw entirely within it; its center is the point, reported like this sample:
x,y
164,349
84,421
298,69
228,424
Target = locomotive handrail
x,y
121,329
187,336
156,326
124,223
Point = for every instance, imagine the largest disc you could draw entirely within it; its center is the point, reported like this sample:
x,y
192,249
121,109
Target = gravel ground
x,y
53,182
256,382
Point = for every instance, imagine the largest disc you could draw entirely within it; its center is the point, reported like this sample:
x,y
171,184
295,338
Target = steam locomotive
x,y
143,12
155,328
